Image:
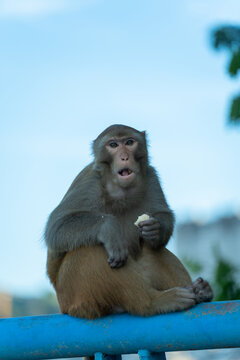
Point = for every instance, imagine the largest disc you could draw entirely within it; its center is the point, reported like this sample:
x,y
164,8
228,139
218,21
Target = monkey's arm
x,y
72,229
157,230
79,220
67,230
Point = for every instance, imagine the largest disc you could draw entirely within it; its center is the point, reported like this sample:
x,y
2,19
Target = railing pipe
x,y
206,326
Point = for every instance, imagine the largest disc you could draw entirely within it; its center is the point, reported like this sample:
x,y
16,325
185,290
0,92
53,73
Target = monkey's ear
x,y
145,136
96,147
145,140
93,147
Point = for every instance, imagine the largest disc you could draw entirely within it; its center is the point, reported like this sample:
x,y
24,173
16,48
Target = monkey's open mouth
x,y
125,172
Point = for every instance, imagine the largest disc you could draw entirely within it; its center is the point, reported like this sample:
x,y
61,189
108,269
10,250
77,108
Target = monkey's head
x,y
121,151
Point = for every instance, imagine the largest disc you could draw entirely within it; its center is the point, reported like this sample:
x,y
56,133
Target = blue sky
x,y
71,68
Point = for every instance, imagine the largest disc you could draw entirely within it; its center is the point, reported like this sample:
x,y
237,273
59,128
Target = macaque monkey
x,y
99,262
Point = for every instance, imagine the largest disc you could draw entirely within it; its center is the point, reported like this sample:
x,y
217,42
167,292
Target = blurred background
x,y
71,68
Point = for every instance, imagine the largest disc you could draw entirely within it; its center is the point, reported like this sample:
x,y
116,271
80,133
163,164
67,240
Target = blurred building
x,y
202,244
14,306
28,306
5,305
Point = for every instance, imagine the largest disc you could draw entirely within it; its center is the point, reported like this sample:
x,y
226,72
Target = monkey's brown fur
x,y
87,287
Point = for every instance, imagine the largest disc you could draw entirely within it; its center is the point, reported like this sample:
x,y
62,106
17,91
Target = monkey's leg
x,y
53,265
88,287
164,271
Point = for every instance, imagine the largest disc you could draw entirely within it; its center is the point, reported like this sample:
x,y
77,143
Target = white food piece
x,y
141,218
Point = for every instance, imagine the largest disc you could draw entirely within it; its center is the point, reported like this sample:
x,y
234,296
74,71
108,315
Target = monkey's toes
x,y
184,298
203,290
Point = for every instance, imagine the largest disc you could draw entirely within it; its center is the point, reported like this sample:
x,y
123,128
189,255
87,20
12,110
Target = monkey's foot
x,y
202,290
174,299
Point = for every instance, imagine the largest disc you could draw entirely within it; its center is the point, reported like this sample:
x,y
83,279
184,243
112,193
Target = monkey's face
x,y
121,158
124,167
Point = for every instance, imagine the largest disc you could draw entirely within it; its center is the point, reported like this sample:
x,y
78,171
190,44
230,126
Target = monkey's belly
x,y
88,287
87,265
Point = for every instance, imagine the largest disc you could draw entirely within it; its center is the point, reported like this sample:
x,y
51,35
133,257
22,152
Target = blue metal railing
x,y
206,326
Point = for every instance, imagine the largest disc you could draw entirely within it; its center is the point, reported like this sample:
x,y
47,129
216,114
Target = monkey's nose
x,y
124,157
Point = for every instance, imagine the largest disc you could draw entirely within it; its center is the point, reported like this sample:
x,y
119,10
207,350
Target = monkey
x,y
98,261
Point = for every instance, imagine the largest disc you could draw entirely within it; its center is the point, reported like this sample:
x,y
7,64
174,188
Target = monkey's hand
x,y
150,232
111,235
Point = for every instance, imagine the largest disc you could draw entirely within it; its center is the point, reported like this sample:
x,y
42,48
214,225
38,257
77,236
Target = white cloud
x,y
31,7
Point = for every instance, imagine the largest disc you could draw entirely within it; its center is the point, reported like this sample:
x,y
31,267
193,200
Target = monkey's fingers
x,y
150,227
150,230
150,234
150,222
152,237
116,263
118,259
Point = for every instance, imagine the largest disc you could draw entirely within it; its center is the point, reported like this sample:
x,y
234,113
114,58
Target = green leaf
x,y
225,285
235,111
226,37
234,65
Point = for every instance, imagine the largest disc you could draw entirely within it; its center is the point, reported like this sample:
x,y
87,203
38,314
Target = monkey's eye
x,y
113,144
129,142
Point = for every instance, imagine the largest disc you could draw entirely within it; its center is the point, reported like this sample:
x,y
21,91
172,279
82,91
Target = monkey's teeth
x,y
125,172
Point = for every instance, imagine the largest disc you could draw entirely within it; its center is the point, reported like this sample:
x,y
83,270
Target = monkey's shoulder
x,y
154,196
152,175
86,178
85,188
